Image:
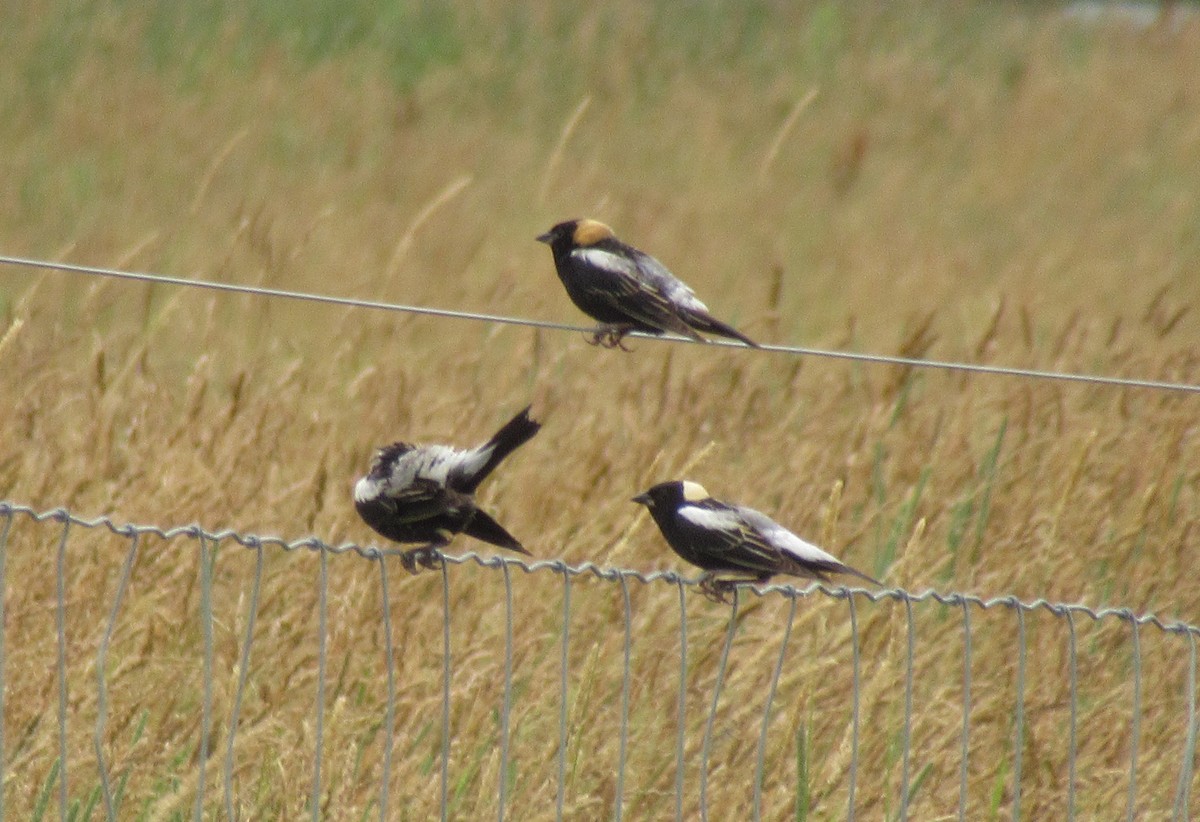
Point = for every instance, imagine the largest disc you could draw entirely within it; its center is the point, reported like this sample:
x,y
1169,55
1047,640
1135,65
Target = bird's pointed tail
x,y
515,433
484,528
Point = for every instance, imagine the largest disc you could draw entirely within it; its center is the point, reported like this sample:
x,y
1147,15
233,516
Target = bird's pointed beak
x,y
545,238
642,499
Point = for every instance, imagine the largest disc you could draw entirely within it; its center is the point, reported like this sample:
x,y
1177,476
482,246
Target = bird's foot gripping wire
x,y
610,336
427,557
723,591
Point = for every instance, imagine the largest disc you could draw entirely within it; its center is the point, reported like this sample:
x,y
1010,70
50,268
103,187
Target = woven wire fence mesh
x,y
1094,709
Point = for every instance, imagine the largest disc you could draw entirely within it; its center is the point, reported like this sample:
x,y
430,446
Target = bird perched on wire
x,y
626,289
425,493
732,539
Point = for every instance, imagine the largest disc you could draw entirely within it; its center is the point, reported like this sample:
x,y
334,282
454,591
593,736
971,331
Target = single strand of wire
x,y
389,719
965,746
710,724
1136,724
4,532
623,741
207,558
563,680
243,673
60,625
761,754
506,705
681,708
1019,731
878,359
444,775
322,649
854,706
110,810
1072,739
909,672
1183,793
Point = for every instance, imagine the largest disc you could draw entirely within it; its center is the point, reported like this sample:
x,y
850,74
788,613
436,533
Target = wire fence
x,y
1116,642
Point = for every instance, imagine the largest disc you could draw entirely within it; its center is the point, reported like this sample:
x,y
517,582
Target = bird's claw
x,y
427,557
610,336
721,591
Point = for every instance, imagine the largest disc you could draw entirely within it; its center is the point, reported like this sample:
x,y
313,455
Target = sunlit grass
x,y
1025,197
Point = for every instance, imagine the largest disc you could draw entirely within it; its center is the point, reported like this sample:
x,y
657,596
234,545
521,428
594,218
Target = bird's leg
x,y
427,556
610,335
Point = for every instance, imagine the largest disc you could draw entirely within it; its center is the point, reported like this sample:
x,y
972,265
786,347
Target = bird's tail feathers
x,y
854,572
515,433
707,322
486,529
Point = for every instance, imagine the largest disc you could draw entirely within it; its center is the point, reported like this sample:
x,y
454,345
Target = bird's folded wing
x,y
419,500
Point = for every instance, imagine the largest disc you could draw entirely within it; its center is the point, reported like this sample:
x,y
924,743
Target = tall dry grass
x,y
1024,198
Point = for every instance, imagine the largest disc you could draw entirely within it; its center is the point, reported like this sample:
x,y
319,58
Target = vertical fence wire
x,y
681,708
110,809
623,742
207,559
444,775
1019,730
761,754
706,745
60,625
506,705
389,717
1072,731
964,755
1136,723
909,665
243,672
855,661
322,649
4,532
1187,763
563,711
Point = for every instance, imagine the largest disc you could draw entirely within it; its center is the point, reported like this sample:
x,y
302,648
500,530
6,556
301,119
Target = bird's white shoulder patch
x,y
606,260
694,491
710,519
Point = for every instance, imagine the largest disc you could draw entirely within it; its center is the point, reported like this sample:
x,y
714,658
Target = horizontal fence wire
x,y
755,738
445,313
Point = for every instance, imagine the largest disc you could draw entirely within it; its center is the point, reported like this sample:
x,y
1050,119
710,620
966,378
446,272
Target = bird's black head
x,y
667,496
576,234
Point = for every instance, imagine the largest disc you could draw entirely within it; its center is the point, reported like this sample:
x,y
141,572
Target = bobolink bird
x,y
626,289
723,538
425,493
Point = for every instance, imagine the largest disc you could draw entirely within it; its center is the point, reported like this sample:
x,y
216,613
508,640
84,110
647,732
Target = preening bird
x,y
723,538
626,289
425,493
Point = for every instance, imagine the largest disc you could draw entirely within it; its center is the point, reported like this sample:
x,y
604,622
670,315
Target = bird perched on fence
x,y
425,493
723,538
626,289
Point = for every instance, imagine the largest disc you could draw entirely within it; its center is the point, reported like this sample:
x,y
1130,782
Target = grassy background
x,y
979,181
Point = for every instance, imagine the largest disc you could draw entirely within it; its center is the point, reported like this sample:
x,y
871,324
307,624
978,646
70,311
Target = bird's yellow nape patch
x,y
694,491
590,232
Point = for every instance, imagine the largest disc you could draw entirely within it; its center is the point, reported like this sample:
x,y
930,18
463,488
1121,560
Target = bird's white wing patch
x,y
785,540
606,260
708,518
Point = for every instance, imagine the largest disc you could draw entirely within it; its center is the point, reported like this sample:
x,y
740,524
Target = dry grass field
x,y
979,182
